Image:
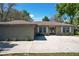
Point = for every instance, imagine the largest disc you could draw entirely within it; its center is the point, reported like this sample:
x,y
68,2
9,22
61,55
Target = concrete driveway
x,y
50,45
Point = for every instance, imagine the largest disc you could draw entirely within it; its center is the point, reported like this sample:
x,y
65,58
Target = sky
x,y
38,10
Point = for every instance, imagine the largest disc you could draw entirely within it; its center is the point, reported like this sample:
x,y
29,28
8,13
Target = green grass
x,y
76,33
41,54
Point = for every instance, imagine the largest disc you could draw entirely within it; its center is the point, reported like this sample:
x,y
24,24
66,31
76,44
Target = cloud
x,y
31,15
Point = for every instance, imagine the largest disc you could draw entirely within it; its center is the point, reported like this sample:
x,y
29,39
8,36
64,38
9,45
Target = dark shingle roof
x,y
51,23
42,23
17,22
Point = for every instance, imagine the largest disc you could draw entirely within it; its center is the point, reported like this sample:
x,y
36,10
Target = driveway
x,y
49,45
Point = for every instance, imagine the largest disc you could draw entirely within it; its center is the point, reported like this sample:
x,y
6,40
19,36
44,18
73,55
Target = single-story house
x,y
24,30
54,28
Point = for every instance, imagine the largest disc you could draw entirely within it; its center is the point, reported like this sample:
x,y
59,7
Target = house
x,y
24,30
17,30
54,28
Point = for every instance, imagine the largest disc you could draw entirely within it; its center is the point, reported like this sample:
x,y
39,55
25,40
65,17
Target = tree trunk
x,y
2,11
9,8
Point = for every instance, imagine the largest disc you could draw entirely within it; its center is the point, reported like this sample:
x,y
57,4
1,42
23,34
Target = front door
x,y
52,31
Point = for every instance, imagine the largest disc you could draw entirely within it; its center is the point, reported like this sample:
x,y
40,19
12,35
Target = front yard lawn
x,y
42,54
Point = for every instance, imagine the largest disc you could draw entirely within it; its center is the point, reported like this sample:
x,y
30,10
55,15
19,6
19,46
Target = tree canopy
x,y
70,9
45,18
57,18
26,16
8,13
76,19
5,9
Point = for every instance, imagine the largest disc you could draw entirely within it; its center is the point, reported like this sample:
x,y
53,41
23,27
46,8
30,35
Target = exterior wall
x,y
72,30
59,31
45,33
17,32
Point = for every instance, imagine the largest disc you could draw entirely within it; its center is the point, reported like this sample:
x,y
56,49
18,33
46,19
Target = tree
x,y
5,9
26,13
76,19
68,8
57,18
8,13
45,18
13,15
26,16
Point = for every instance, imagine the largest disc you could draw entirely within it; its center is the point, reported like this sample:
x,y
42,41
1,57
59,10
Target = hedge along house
x,y
23,30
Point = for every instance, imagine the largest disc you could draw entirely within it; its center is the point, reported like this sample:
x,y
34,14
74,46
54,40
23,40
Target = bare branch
x,y
8,10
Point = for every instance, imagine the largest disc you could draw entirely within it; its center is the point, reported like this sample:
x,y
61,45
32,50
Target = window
x,y
44,29
40,29
65,29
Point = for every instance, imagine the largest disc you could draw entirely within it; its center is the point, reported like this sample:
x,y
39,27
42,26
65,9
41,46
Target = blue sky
x,y
38,10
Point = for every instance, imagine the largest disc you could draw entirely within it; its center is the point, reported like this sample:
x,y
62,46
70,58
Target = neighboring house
x,y
23,30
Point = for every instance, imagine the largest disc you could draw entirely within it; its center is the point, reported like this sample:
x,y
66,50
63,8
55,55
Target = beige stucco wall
x,y
17,32
59,32
37,30
72,31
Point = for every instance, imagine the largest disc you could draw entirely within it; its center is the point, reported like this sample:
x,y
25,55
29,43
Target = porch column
x,y
70,29
47,31
61,29
37,29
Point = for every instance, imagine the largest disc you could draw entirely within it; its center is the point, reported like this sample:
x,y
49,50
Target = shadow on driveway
x,y
40,38
5,46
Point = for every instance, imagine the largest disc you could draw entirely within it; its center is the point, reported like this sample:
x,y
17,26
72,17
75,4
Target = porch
x,y
54,30
45,30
